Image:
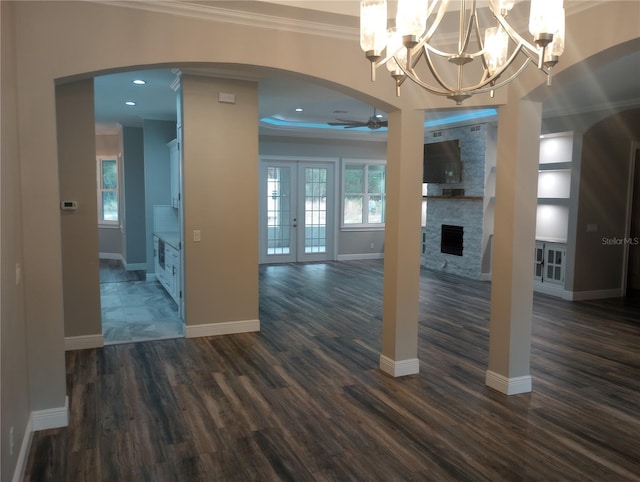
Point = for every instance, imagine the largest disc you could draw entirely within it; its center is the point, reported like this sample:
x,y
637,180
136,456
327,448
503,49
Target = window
x,y
108,191
364,189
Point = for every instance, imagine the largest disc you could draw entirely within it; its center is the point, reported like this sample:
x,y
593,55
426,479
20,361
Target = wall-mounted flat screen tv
x,y
442,163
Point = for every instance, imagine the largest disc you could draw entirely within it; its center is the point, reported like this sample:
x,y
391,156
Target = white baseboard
x,y
355,257
594,295
83,342
399,368
21,462
50,417
508,386
485,277
224,328
117,256
135,266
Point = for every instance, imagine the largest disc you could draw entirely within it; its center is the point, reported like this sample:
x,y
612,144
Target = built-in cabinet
x,y
554,204
166,256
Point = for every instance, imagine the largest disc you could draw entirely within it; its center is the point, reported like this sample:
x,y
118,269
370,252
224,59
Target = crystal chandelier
x,y
500,56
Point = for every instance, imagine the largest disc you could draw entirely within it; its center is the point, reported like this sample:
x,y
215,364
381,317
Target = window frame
x,y
365,225
100,190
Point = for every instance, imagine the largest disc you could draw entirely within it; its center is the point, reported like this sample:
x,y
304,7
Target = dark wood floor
x,y
304,400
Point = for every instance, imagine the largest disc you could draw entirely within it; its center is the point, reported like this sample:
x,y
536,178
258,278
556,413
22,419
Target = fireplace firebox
x,y
451,240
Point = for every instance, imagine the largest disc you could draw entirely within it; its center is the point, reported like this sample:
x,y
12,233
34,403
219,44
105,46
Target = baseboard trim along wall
x,y
21,461
135,266
117,256
508,386
594,295
356,257
83,342
224,328
50,417
399,368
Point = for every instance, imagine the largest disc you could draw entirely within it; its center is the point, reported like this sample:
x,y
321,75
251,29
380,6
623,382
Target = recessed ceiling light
x,y
130,102
299,109
139,82
379,116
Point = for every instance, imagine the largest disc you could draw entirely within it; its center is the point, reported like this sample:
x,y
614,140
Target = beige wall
x,y
220,175
56,40
14,401
77,176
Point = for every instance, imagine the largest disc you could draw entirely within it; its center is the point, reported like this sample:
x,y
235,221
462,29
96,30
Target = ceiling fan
x,y
372,123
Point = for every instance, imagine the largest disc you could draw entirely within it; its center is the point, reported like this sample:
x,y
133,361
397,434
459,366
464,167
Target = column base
x,y
508,386
399,368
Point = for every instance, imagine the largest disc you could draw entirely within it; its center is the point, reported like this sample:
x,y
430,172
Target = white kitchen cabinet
x,y
174,172
167,265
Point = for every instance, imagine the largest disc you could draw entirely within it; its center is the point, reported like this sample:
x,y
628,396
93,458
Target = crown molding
x,y
237,17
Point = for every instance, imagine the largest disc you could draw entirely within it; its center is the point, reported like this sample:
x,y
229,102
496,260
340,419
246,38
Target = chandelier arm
x,y
467,36
508,80
530,50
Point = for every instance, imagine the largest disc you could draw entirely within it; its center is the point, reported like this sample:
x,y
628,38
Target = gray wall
x,y
350,243
157,184
134,198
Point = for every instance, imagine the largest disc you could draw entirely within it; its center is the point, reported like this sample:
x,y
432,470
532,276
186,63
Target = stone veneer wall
x,y
478,156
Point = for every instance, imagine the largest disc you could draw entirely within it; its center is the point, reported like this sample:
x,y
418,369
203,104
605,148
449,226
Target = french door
x,y
296,211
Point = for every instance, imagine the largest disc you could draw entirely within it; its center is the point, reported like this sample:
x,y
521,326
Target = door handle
x,y
295,223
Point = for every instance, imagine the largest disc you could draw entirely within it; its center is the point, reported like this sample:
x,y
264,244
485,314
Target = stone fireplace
x,y
459,217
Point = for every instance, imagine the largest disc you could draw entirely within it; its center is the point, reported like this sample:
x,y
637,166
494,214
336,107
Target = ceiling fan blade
x,y
348,124
359,124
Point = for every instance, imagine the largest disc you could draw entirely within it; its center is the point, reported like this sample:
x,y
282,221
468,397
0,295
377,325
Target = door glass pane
x,y
278,210
315,210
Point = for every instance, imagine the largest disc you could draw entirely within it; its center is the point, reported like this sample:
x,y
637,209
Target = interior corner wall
x,y
157,183
14,376
220,187
79,230
134,198
603,194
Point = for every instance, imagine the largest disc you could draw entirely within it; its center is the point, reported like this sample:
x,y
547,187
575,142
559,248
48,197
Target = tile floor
x,y
134,309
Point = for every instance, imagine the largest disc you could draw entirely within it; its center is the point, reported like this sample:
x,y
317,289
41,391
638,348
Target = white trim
x,y
485,277
399,368
117,256
223,328
21,462
135,266
594,295
549,288
508,386
83,342
51,417
357,256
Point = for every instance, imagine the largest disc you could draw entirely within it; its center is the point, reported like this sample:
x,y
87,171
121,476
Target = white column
x,y
514,242
402,243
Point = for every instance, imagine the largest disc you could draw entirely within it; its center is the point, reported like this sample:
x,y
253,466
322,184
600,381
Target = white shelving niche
x,y
552,220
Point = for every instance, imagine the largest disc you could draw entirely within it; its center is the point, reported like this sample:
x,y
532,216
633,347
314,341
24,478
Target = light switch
x,y
196,235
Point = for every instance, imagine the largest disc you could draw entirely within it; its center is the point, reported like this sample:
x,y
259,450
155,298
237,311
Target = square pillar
x,y
514,242
402,243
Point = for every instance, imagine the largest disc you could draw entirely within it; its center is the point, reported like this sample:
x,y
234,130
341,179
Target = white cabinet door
x,y
174,172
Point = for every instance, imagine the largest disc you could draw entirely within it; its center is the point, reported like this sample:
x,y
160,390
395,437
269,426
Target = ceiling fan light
x,y
545,17
411,17
373,26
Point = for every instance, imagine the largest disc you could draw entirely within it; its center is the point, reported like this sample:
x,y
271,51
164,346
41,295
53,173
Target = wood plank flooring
x,y
304,400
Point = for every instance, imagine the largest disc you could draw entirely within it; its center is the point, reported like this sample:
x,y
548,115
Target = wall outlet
x,y
371,245
196,235
11,444
18,273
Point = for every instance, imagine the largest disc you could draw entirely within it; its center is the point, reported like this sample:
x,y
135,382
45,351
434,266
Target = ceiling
x,y
616,84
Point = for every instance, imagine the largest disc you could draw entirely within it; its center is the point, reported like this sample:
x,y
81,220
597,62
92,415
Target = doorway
x,y
296,211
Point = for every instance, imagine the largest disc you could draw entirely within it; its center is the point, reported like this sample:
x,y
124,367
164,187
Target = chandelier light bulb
x,y
373,27
411,19
544,20
496,46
